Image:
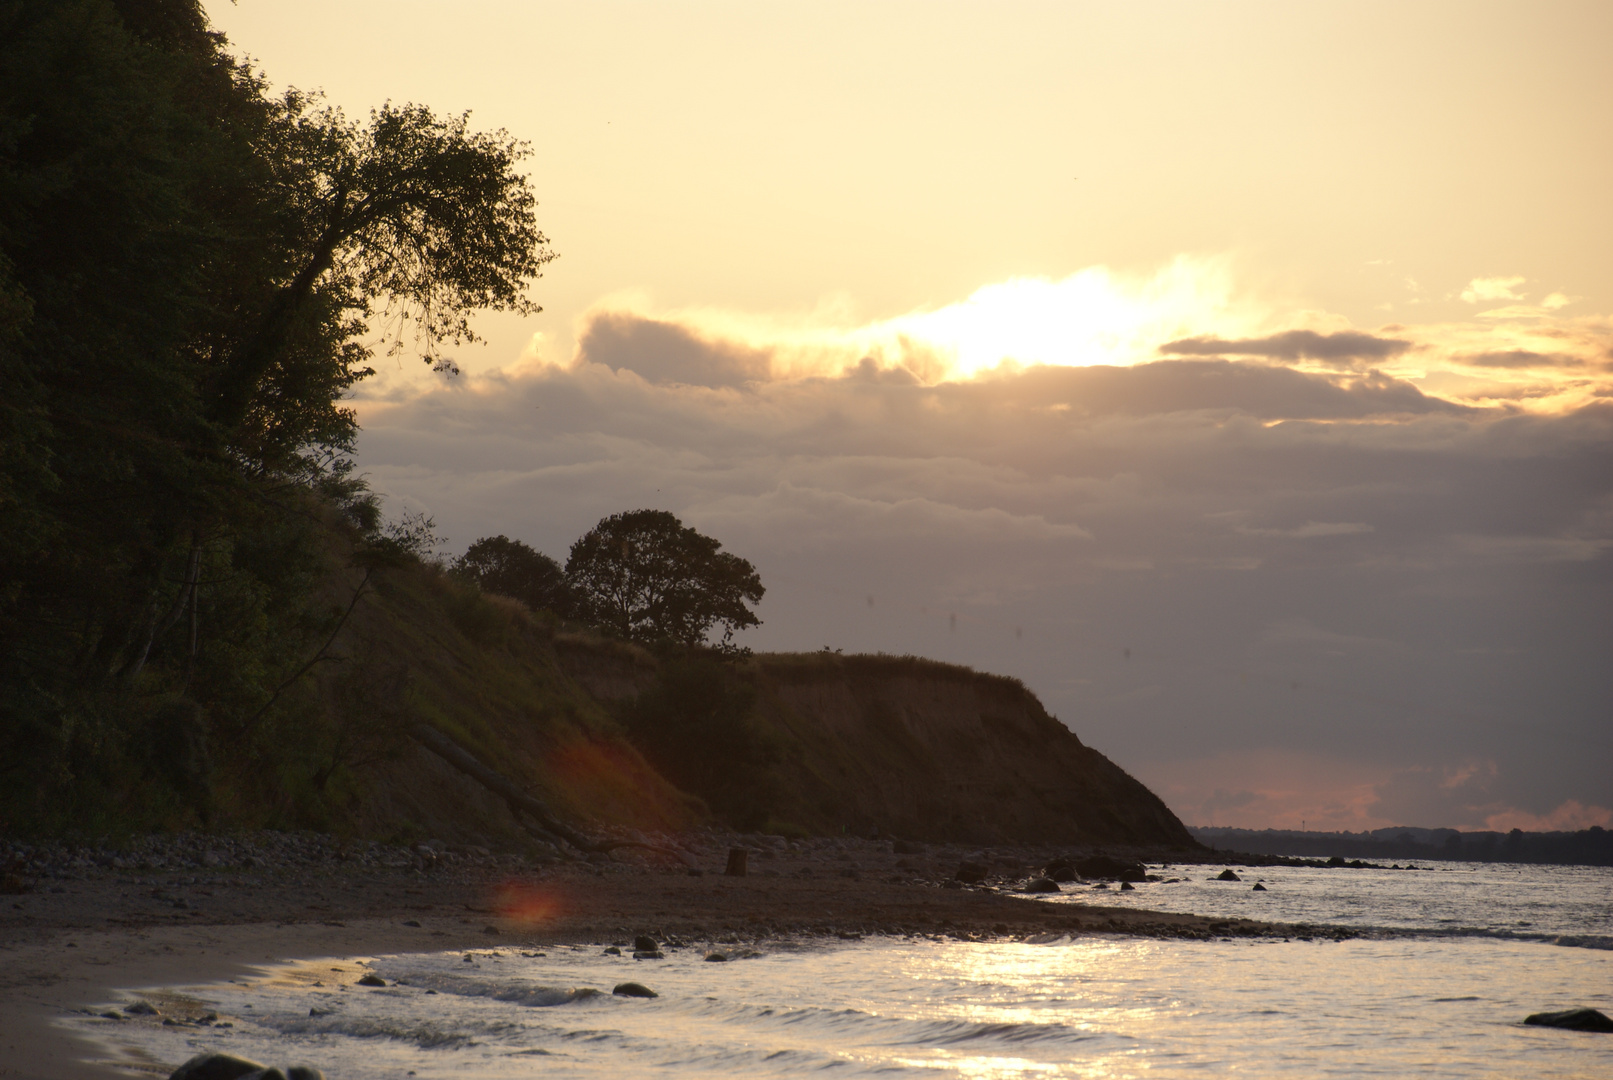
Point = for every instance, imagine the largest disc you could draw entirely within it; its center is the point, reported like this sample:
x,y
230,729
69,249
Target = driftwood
x,y
521,804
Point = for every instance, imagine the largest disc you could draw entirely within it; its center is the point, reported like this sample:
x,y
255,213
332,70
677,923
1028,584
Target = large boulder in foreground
x,y
230,1067
1573,1020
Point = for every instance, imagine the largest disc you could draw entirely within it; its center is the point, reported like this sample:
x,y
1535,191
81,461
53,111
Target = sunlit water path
x,y
1092,1006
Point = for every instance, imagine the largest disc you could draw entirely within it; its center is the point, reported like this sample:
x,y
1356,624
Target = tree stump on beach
x,y
736,862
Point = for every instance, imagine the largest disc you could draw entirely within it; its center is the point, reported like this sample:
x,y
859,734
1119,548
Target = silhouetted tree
x,y
191,269
508,567
646,576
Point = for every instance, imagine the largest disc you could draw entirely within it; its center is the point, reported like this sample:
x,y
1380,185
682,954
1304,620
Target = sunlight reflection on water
x,y
1091,1007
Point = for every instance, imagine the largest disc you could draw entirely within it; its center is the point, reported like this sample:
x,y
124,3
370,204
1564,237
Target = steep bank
x,y
934,751
901,746
613,736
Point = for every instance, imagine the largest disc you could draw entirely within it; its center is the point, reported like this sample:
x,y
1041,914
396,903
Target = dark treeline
x,y
193,273
1586,847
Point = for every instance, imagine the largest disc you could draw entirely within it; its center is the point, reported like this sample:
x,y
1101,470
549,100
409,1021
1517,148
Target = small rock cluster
x,y
263,850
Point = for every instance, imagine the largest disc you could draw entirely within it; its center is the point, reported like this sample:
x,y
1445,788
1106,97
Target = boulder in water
x,y
633,989
372,979
1126,886
1041,885
1573,1020
1258,888
1227,875
645,943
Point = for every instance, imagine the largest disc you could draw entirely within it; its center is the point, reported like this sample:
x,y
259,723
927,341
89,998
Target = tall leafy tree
x,y
646,576
190,270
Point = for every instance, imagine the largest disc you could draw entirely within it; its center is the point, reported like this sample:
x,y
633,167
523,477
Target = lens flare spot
x,y
525,903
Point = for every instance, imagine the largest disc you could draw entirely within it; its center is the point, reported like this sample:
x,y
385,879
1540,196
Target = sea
x,y
1452,958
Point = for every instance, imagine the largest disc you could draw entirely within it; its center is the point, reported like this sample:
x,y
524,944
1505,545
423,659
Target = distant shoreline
x,y
1583,847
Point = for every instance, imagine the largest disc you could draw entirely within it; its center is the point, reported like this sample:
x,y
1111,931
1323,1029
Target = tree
x,y
645,576
508,567
191,273
421,213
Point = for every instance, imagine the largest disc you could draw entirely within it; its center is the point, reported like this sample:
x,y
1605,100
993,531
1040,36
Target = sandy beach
x,y
82,933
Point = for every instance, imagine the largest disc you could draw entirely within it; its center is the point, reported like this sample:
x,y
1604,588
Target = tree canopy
x,y
645,576
192,272
508,567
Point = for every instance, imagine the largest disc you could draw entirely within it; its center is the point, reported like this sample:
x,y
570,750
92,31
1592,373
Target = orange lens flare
x,y
524,903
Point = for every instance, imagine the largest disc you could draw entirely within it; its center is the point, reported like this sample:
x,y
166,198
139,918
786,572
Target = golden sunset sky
x,y
1239,375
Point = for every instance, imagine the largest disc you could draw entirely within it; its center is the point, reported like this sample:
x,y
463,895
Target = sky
x,y
1238,375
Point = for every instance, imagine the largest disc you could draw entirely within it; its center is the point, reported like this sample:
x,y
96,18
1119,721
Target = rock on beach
x,y
230,1067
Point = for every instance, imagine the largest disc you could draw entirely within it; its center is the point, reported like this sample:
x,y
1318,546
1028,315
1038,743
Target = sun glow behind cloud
x,y
1094,316
1192,308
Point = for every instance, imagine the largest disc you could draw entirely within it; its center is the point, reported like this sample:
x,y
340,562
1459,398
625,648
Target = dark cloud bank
x,y
1195,562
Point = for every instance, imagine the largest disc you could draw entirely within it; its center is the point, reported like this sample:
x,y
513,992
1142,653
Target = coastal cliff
x,y
612,735
899,746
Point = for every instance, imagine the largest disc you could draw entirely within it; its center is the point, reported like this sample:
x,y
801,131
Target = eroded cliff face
x,y
932,751
610,734
901,746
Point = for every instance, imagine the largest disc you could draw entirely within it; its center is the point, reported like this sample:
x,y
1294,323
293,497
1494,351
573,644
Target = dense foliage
x,y
645,576
190,270
499,565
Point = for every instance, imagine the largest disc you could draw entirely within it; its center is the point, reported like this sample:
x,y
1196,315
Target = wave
x,y
509,990
865,1028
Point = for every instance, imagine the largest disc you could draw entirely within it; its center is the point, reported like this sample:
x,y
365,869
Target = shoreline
x,y
82,933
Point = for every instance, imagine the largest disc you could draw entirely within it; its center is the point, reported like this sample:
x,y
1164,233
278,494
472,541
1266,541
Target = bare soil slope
x,y
932,751
861,745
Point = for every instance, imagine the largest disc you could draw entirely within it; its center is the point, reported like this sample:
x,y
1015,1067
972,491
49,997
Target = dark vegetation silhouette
x,y
505,567
645,576
191,271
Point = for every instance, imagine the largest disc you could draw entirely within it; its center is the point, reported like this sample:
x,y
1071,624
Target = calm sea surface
x,y
1500,942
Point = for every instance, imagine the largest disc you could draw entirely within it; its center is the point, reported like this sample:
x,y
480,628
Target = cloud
x,y
1569,816
1345,345
1312,529
666,352
1519,358
1481,290
1255,389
